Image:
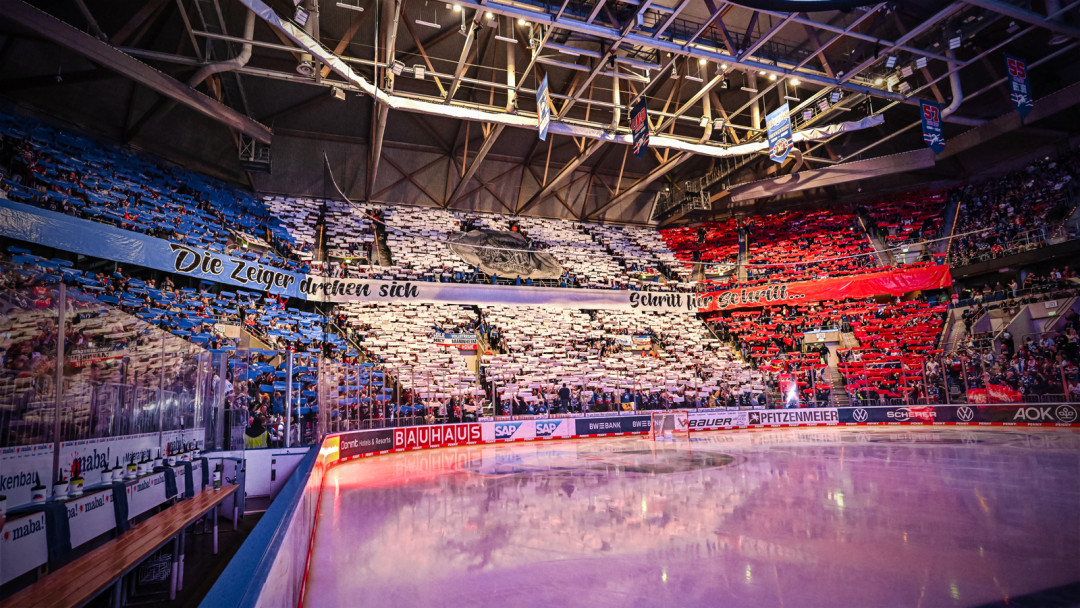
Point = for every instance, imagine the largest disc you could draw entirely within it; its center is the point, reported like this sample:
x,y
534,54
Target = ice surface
x,y
794,517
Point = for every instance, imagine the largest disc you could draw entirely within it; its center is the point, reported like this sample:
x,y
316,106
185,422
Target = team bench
x,y
84,578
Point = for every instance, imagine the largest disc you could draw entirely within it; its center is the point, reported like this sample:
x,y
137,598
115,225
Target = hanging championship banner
x,y
543,108
1019,88
639,126
931,126
778,128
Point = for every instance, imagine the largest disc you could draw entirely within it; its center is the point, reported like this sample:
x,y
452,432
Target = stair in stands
x,y
384,258
839,393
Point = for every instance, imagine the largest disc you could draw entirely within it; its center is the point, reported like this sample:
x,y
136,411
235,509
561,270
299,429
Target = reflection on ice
x,y
799,517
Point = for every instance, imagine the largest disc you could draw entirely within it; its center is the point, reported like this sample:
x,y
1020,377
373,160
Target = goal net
x,y
670,424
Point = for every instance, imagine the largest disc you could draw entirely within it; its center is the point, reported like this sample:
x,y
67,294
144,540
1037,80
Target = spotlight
x,y
704,121
723,66
457,8
724,84
701,61
419,71
890,62
795,82
879,81
718,123
807,114
920,62
762,72
337,93
834,96
772,77
522,22
823,105
397,67
954,43
489,15
906,71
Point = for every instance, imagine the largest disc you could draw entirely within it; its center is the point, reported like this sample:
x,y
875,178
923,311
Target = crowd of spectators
x,y
1016,212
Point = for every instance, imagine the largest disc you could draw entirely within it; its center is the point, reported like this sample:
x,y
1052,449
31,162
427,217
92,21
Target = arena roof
x,y
434,103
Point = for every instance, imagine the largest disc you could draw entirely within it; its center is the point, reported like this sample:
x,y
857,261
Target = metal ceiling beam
x,y
941,15
106,56
601,63
563,173
463,59
637,186
690,49
1027,16
482,153
381,111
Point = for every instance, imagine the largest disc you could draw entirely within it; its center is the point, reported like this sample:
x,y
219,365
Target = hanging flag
x,y
1019,88
778,128
639,126
543,108
931,126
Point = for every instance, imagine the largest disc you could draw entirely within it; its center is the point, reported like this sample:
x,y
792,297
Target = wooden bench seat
x,y
84,578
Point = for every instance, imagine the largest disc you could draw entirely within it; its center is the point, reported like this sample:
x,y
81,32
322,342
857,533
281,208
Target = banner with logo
x,y
778,129
366,442
437,436
145,493
931,125
895,281
510,430
504,254
465,341
92,515
639,126
703,420
1028,414
815,415
543,108
605,425
93,455
994,393
20,467
23,547
553,428
1019,86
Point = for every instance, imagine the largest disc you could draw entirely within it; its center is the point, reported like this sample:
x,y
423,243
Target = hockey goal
x,y
670,424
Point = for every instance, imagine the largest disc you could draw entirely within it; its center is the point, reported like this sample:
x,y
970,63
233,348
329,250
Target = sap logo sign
x,y
546,429
1036,414
904,413
506,430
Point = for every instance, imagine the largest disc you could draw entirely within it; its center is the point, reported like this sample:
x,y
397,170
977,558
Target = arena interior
x,y
758,303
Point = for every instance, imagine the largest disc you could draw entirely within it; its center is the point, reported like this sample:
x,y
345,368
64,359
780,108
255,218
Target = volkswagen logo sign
x,y
1066,413
860,415
965,414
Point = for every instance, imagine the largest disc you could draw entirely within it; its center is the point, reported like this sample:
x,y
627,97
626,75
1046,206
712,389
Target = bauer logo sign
x,y
717,419
436,436
612,424
821,415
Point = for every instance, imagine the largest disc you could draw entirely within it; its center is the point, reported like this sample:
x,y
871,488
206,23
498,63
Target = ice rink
x,y
855,517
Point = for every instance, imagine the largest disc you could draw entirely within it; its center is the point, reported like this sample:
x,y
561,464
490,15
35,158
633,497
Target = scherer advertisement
x,y
1062,413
